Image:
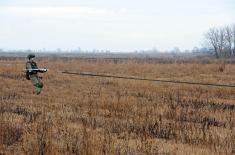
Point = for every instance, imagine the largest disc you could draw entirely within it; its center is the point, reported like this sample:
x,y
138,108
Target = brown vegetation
x,y
89,116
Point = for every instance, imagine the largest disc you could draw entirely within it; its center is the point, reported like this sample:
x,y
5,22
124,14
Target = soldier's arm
x,y
40,70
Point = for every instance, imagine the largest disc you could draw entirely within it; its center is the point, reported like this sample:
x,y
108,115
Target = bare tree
x,y
213,37
229,39
233,37
222,42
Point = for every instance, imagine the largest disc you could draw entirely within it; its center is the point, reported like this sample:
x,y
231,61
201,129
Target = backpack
x,y
27,75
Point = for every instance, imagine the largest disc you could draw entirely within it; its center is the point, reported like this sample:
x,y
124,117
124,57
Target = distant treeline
x,y
118,59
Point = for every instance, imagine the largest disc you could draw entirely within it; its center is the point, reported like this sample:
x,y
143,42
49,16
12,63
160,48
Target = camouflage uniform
x,y
33,75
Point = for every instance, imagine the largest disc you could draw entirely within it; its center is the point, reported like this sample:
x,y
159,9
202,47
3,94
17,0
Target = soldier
x,y
32,73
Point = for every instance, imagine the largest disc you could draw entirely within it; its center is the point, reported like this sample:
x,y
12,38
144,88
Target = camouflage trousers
x,y
37,82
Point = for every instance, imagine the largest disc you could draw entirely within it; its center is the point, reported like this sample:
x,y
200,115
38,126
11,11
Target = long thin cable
x,y
146,79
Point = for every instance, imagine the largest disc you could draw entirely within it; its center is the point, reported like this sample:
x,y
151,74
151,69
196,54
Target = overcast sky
x,y
117,25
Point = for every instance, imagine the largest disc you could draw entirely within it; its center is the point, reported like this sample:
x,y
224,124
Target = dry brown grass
x,y
89,116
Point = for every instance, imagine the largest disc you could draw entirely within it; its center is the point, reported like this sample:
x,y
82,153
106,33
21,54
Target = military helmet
x,y
31,56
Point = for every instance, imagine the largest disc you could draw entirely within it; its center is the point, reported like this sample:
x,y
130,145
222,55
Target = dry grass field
x,y
96,116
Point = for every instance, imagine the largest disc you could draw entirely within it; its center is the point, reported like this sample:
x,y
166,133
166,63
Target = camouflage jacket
x,y
31,65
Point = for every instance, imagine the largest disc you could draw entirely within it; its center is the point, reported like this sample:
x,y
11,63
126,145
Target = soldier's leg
x,y
38,90
37,84
39,87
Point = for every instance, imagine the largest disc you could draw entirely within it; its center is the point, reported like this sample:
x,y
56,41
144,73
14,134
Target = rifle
x,y
41,70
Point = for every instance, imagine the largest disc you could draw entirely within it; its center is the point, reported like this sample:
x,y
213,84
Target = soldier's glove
x,y
43,70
